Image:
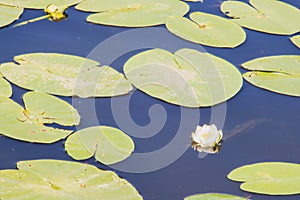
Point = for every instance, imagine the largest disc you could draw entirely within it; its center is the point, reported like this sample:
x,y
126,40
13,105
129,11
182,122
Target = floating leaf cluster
x,y
214,196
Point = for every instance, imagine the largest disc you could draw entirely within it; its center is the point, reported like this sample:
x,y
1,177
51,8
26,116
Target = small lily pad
x,y
57,179
38,4
109,145
5,88
40,108
279,74
188,77
65,75
8,14
207,29
128,13
214,196
269,16
272,178
296,40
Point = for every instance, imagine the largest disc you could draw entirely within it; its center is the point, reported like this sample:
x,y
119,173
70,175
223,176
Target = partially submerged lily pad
x,y
188,77
138,13
64,180
296,40
108,145
269,16
279,74
272,178
8,14
5,88
214,196
40,108
38,4
65,75
207,29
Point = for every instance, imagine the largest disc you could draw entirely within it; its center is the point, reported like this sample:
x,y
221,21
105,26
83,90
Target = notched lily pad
x,y
272,178
8,14
214,196
207,29
64,180
188,77
128,13
296,40
5,88
40,108
65,75
269,16
279,74
38,4
108,145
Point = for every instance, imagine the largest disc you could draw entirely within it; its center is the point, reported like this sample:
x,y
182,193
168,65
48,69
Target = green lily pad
x,y
279,74
188,77
40,108
5,88
57,179
207,29
272,178
128,13
8,14
38,4
296,40
109,145
269,16
214,196
65,75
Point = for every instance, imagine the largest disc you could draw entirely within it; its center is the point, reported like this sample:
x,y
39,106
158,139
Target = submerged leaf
x,y
8,14
109,145
188,77
130,13
63,180
279,74
207,29
273,178
214,196
40,108
38,4
65,75
296,40
5,88
270,16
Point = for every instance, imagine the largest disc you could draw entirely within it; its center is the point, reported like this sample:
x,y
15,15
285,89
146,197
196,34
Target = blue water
x,y
268,123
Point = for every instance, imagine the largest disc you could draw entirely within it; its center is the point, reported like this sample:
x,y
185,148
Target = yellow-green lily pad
x,y
65,75
188,77
269,16
108,145
28,124
63,180
5,88
279,74
214,196
38,4
207,29
128,13
296,40
8,14
272,178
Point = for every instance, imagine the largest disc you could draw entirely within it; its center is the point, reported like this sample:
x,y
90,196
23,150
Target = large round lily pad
x,y
40,108
269,16
5,88
65,75
214,196
188,77
129,13
109,145
207,29
63,180
273,178
8,14
296,40
38,4
279,74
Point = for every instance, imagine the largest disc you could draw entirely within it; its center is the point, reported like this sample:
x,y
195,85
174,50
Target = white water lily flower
x,y
207,136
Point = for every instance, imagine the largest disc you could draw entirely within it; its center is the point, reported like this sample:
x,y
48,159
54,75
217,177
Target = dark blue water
x,y
267,123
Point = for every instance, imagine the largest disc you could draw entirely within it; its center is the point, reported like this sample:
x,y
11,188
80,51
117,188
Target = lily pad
x,y
57,179
214,196
8,14
296,40
5,88
38,4
188,77
269,16
207,29
128,13
279,74
65,75
272,178
109,145
40,108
